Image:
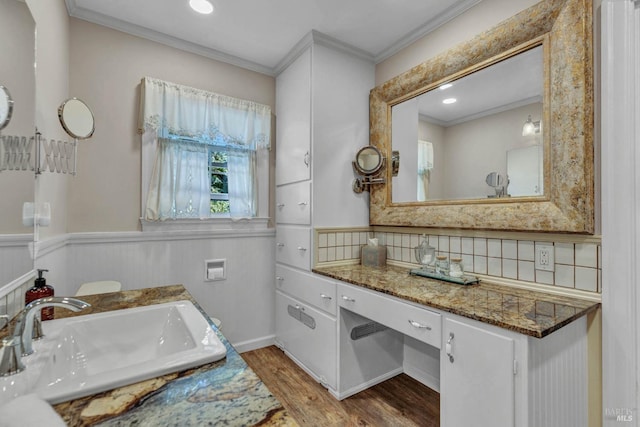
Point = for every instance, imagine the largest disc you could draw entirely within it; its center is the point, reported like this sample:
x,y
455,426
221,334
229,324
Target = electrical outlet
x,y
545,258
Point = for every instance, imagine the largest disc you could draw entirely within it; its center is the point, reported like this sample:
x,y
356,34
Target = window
x,y
205,147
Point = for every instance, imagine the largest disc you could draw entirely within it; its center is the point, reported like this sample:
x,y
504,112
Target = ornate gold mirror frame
x,y
564,27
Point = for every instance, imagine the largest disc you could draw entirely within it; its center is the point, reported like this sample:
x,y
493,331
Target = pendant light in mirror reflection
x,y
369,164
530,127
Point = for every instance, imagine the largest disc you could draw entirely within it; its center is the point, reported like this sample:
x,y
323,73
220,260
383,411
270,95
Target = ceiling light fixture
x,y
449,101
445,86
530,127
201,6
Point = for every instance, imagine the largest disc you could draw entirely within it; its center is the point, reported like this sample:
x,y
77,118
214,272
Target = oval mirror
x,y
6,107
369,160
76,118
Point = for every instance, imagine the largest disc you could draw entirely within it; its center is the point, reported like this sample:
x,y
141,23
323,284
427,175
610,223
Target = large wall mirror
x,y
17,74
496,133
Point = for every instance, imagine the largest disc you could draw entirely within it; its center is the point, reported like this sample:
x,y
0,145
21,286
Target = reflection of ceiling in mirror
x,y
508,84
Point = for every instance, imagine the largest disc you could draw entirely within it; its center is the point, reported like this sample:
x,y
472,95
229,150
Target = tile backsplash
x,y
578,263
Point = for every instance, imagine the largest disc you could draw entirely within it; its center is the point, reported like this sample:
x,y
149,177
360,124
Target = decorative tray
x,y
464,280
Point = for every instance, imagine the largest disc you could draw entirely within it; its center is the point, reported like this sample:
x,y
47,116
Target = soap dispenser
x,y
39,290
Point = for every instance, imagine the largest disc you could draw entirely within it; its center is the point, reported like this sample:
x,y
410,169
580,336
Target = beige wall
x,y
52,87
479,18
105,71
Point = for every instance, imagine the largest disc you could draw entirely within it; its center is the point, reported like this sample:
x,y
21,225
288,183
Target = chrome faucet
x,y
27,328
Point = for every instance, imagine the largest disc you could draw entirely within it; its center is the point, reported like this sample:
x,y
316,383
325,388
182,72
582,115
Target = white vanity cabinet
x,y
322,119
478,372
488,376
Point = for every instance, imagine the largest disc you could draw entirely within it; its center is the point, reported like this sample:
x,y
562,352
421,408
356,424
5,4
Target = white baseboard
x,y
253,344
423,377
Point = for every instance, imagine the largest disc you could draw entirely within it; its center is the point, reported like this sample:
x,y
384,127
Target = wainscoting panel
x,y
244,301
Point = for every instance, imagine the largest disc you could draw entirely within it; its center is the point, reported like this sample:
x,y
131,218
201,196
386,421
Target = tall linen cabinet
x,y
322,119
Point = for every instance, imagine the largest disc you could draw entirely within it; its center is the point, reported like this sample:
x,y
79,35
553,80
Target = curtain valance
x,y
177,110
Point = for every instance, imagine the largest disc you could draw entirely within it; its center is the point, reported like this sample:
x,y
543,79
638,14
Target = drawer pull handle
x,y
280,245
449,347
325,296
419,325
279,278
346,298
302,203
300,248
281,205
306,159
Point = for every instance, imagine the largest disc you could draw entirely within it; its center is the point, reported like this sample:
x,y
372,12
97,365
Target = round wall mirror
x,y
494,179
369,160
6,107
76,118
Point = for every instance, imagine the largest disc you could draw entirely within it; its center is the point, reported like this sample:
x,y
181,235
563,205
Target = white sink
x,y
80,356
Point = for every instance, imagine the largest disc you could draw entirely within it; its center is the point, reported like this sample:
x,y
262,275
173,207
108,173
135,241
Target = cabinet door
x,y
293,121
477,381
293,246
309,336
293,203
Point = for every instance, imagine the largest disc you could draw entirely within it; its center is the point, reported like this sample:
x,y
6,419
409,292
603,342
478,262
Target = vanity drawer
x,y
293,203
293,246
308,336
417,322
314,290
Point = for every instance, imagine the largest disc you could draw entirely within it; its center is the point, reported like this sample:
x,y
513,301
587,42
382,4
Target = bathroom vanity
x,y
498,355
224,392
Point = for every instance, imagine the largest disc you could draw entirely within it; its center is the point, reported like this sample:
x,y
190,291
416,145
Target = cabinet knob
x,y
346,298
419,325
449,347
300,248
280,245
325,296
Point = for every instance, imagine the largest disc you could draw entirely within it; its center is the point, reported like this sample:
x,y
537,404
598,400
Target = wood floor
x,y
400,401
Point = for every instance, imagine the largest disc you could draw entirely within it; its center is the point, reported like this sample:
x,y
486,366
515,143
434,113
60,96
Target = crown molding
x,y
425,29
136,30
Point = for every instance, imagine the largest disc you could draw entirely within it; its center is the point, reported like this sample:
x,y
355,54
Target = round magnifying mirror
x,y
76,118
369,160
494,179
6,107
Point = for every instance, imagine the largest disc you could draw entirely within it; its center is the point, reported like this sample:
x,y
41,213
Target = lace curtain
x,y
173,109
182,123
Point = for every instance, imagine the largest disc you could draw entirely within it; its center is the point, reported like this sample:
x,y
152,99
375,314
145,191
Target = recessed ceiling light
x,y
449,101
445,86
201,6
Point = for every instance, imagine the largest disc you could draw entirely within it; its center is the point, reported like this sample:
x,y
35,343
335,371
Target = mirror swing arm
x,y
368,165
567,204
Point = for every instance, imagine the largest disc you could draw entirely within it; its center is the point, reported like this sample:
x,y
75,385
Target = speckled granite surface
x,y
226,392
536,314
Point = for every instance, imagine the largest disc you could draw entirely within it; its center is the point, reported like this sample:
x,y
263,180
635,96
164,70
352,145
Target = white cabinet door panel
x,y
309,336
293,121
293,246
477,381
293,203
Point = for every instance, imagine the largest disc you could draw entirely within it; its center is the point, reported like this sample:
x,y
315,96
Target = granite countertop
x,y
226,392
532,313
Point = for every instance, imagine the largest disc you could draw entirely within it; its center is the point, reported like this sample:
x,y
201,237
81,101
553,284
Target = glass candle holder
x,y
456,269
442,265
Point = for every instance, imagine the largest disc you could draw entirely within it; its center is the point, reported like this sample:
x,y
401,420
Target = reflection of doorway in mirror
x,y
425,165
525,171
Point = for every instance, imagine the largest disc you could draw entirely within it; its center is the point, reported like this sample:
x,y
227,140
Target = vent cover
x,y
367,329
